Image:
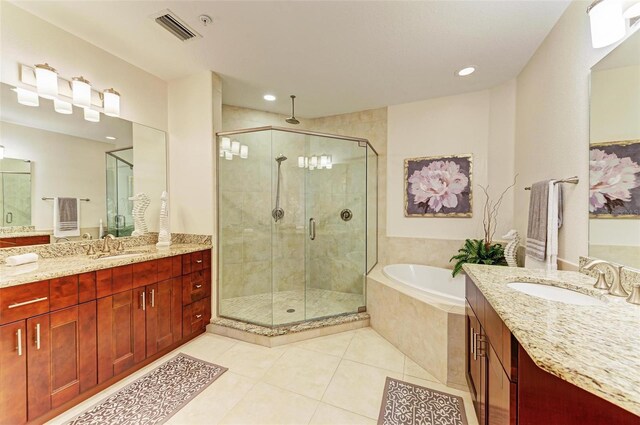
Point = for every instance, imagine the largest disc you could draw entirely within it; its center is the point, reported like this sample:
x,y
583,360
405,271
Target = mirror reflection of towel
x,y
66,217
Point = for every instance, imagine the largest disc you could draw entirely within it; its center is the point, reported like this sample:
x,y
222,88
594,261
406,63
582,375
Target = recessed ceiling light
x,y
110,137
269,97
466,71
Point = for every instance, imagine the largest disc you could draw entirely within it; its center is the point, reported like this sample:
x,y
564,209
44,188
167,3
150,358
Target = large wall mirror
x,y
49,154
614,156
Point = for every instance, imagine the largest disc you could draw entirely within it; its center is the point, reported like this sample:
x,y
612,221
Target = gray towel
x,y
68,214
538,216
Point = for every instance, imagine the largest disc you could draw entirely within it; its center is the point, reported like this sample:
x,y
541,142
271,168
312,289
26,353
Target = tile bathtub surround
x,y
596,348
73,263
308,382
435,341
629,277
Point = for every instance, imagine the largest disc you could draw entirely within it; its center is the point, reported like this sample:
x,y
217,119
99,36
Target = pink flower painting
x,y
438,187
614,178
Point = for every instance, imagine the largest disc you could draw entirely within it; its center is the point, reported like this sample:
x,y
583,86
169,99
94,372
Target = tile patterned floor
x,y
337,380
265,308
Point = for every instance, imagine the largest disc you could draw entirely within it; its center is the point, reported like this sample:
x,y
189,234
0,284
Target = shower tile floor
x,y
333,380
319,303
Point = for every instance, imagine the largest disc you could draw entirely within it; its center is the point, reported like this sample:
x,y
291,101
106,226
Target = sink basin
x,y
125,254
553,293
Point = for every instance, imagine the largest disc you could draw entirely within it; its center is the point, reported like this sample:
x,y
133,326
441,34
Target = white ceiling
x,y
336,57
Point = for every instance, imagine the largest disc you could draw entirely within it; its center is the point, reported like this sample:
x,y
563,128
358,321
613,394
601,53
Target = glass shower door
x,y
119,190
16,199
335,207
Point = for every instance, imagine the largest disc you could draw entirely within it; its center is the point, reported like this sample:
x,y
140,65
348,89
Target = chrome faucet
x,y
105,243
616,287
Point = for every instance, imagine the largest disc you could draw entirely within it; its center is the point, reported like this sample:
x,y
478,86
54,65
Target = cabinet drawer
x,y
63,292
145,273
196,316
195,287
22,301
196,261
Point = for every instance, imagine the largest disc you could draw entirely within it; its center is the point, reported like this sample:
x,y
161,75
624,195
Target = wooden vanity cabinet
x,y
508,388
24,241
63,339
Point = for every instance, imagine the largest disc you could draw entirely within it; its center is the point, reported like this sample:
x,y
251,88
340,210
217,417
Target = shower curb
x,y
280,335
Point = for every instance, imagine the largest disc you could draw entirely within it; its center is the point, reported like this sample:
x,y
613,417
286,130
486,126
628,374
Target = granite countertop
x,y
596,348
6,235
49,268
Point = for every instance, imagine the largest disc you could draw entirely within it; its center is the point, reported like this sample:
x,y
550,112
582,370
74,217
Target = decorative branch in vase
x,y
484,251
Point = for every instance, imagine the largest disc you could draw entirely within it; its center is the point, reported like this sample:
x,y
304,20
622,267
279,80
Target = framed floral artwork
x,y
614,179
438,186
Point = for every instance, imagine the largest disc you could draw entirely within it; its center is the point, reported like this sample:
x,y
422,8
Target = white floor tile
x,y
411,368
358,388
303,371
249,360
331,415
211,405
336,345
265,404
368,347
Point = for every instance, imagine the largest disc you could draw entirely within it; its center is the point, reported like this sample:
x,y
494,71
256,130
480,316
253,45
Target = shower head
x,y
280,158
292,119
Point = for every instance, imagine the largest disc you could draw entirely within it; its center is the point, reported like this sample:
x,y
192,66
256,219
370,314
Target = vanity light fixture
x,y
91,115
466,71
228,156
62,107
1,152
607,22
81,92
316,162
244,151
235,147
46,81
225,144
27,97
302,161
111,102
269,97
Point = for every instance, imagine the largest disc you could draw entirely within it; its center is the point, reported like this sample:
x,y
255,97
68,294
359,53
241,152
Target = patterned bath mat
x,y
155,397
407,404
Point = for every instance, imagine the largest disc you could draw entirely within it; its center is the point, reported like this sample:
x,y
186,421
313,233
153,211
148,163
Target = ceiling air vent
x,y
169,21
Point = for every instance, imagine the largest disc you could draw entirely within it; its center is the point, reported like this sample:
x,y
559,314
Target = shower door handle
x,y
312,229
9,218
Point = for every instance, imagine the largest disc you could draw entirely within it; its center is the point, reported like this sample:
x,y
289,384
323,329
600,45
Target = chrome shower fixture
x,y
292,119
278,213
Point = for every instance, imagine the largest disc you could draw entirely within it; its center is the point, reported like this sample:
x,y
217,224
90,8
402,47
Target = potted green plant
x,y
484,251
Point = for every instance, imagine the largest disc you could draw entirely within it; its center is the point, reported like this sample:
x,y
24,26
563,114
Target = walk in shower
x,y
119,190
297,224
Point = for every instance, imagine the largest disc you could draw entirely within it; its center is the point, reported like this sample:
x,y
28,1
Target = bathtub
x,y
421,311
432,280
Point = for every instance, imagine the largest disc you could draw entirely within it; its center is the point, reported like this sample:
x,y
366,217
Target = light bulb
x,y
607,22
323,161
313,162
301,161
81,92
62,107
111,103
235,147
27,97
244,151
228,156
225,144
46,81
91,115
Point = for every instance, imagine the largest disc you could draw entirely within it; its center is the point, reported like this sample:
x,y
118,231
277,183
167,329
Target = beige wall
x,y
27,39
552,124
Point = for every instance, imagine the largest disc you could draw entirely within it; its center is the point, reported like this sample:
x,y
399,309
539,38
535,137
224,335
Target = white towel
x,y
554,204
66,217
16,260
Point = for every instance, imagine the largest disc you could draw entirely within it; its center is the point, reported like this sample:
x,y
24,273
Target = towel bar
x,y
44,198
572,180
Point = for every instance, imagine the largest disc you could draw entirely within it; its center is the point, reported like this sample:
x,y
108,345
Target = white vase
x,y
164,235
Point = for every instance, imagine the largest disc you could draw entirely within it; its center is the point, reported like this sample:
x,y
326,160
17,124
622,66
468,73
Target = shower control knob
x,y
346,214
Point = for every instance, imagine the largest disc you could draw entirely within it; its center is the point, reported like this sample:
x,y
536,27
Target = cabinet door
x,y
39,366
121,332
499,411
164,315
476,365
13,373
73,348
